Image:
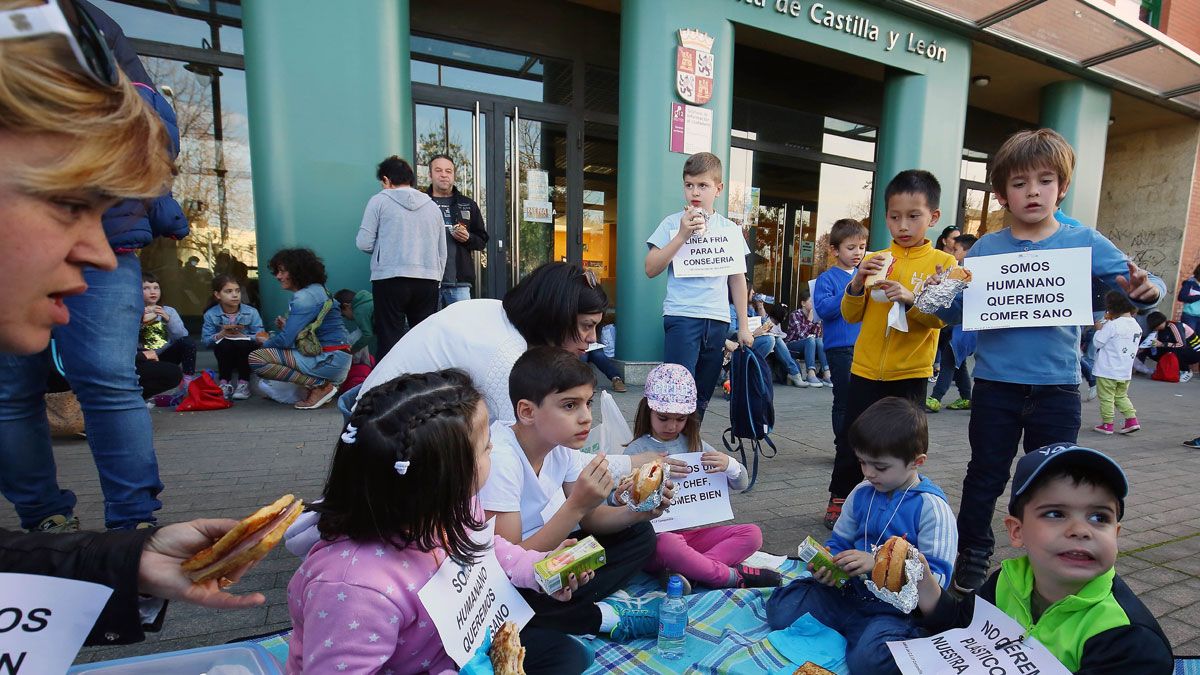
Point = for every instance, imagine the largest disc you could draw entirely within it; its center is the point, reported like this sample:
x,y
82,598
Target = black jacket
x,y
465,209
107,558
1138,647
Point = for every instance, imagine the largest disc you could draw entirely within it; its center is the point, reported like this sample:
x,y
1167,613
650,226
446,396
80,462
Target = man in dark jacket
x,y
465,230
96,349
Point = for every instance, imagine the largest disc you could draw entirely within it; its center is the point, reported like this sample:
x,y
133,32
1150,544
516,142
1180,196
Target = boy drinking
x,y
847,244
890,358
1065,511
890,440
542,490
1027,379
696,309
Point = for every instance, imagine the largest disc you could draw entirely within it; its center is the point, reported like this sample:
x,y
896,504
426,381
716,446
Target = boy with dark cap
x,y
1065,511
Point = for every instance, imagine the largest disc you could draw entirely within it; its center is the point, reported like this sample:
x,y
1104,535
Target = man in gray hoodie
x,y
402,230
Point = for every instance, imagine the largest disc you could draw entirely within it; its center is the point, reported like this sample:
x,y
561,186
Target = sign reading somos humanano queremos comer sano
x,y
1033,288
829,15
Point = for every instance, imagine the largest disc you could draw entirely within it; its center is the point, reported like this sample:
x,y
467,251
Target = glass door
x,y
537,194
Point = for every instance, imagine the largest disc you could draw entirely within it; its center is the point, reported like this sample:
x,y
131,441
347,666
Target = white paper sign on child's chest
x,y
716,253
994,643
465,601
44,621
700,499
1032,288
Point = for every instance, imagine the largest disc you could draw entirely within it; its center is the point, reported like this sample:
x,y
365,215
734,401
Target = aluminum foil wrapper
x,y
938,296
906,599
650,503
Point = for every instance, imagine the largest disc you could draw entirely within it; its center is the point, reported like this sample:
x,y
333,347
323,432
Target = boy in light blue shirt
x,y
696,309
1027,379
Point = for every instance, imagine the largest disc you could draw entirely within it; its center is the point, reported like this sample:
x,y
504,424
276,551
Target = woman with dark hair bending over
x,y
300,270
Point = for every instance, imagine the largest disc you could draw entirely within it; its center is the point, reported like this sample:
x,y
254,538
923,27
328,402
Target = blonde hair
x,y
1029,150
118,145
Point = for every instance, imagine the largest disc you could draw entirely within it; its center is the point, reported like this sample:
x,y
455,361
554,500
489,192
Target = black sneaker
x,y
970,571
757,577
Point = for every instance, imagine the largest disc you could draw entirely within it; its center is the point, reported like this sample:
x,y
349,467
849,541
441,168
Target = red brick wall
x,y
1191,238
1181,20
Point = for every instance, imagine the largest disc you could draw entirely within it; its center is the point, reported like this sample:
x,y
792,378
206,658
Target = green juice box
x,y
811,551
552,572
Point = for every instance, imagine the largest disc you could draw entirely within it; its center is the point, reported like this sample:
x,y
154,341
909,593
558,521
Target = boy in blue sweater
x,y
1027,379
891,439
848,245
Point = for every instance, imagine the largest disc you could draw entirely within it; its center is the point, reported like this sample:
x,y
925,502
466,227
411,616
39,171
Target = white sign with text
x,y
700,499
1032,288
44,621
464,601
993,643
716,253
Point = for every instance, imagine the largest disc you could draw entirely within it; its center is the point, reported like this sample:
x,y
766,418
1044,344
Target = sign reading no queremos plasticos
x,y
1031,288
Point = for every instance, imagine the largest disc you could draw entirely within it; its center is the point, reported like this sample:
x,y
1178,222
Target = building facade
x,y
570,120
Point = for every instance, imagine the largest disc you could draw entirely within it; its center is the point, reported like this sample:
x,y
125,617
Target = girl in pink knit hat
x,y
667,422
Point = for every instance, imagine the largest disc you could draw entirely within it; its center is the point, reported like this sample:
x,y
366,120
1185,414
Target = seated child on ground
x,y
1065,511
542,489
358,312
233,330
667,422
399,501
163,334
891,440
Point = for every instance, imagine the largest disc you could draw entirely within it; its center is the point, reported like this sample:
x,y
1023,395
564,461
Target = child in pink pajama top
x,y
400,499
666,422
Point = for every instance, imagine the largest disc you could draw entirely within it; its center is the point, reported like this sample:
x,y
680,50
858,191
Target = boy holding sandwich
x,y
890,440
890,358
1065,511
542,490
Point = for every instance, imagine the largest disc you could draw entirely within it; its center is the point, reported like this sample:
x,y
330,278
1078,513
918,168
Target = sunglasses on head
x,y
589,277
66,18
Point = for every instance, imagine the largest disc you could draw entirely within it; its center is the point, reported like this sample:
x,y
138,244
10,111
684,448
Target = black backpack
x,y
751,408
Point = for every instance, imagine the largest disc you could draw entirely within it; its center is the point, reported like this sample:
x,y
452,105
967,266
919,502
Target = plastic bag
x,y
612,434
203,393
278,391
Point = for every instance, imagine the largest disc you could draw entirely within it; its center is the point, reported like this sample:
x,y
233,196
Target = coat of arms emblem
x,y
694,66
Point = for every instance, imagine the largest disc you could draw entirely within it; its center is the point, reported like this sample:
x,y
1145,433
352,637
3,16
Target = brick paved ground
x,y
230,462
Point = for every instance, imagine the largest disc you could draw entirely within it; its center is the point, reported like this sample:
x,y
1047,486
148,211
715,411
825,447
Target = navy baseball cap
x,y
1034,463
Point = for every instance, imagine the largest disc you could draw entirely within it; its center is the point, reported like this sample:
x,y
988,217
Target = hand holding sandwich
x,y
160,574
869,267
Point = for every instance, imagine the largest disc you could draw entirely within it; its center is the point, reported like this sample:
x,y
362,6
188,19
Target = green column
x,y
921,127
329,94
649,176
1079,111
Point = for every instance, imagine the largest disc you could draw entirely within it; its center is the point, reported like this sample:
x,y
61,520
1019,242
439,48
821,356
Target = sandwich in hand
x,y
889,564
508,656
959,273
871,280
648,480
248,542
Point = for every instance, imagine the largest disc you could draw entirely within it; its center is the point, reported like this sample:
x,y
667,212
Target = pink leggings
x,y
705,555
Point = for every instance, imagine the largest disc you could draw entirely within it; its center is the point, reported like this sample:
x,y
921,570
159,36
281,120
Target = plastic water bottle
x,y
672,620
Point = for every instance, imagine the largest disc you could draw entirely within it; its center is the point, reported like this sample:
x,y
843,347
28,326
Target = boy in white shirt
x,y
543,490
1117,338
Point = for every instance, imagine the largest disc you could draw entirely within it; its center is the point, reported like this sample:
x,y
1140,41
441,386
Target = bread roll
x,y
507,654
889,564
647,481
870,280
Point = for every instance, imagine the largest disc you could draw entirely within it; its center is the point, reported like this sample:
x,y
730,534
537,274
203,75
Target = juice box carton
x,y
811,551
552,573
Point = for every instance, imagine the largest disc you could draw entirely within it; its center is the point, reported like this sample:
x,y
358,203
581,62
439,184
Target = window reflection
x,y
492,71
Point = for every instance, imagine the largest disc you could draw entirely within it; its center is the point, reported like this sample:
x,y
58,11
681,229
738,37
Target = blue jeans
x,y
599,359
839,359
764,345
867,623
97,350
448,295
813,349
1000,413
699,346
951,372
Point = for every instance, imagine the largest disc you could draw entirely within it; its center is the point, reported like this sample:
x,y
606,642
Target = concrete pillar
x,y
649,177
330,96
921,127
1079,111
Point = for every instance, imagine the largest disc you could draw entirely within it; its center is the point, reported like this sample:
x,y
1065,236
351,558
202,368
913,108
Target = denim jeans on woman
x,y
813,349
97,350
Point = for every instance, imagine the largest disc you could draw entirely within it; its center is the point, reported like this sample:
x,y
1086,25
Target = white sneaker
x,y
1185,376
797,380
1091,395
241,392
227,390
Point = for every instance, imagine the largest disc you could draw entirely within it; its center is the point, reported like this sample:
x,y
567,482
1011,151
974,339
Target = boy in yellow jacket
x,y
890,358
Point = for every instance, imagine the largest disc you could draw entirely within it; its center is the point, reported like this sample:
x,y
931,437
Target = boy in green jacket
x,y
1065,511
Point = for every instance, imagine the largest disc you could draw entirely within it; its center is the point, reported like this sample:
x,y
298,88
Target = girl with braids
x,y
399,500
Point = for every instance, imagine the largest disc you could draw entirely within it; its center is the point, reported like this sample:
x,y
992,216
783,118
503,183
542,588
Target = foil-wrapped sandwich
x,y
945,286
